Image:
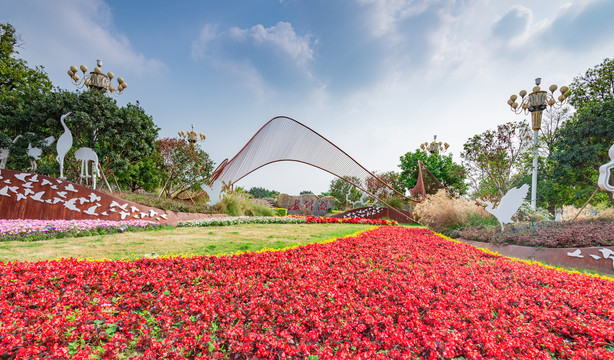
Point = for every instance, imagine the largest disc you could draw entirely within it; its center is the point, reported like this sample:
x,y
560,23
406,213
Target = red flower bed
x,y
329,220
391,292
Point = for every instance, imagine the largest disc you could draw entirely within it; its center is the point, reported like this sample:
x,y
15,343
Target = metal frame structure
x,y
285,139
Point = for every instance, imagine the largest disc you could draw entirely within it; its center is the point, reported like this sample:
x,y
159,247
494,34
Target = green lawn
x,y
193,240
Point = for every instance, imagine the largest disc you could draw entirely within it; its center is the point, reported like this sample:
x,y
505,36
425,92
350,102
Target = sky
x,y
375,77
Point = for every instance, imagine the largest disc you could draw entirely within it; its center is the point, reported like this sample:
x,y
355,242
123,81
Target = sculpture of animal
x,y
63,145
214,192
508,205
5,152
604,173
84,155
35,153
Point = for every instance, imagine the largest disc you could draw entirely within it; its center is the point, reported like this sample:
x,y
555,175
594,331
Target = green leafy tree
x,y
582,148
383,192
20,86
550,193
120,136
450,174
15,74
496,159
596,85
585,140
262,193
146,174
344,191
186,167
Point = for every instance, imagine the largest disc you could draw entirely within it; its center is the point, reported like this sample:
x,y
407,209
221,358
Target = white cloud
x,y
256,56
514,23
384,14
82,31
207,34
280,36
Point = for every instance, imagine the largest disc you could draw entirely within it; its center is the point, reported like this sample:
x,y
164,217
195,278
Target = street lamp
x,y
537,101
192,136
434,146
97,80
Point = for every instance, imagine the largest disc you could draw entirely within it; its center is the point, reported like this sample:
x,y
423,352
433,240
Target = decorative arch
x,y
285,139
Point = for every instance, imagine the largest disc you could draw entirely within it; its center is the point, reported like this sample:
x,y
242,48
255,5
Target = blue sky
x,y
376,77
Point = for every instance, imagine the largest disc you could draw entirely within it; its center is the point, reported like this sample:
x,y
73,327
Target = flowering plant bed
x,y
392,292
30,230
544,234
292,219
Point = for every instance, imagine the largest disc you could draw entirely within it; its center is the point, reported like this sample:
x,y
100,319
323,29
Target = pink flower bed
x,y
29,229
391,292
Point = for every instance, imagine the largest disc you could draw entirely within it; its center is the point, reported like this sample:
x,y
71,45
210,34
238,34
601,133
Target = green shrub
x,y
239,204
526,213
281,211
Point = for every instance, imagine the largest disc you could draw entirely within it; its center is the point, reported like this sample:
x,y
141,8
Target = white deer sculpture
x,y
85,155
5,152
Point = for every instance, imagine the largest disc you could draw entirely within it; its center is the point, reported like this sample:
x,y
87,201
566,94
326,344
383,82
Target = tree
x,y
552,123
550,193
262,193
342,191
383,192
585,140
494,158
391,178
450,174
20,86
185,167
145,174
596,85
15,75
120,136
583,147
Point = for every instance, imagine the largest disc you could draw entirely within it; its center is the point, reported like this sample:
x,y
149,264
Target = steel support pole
x,y
534,180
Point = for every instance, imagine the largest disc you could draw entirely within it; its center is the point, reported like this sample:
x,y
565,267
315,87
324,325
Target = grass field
x,y
196,240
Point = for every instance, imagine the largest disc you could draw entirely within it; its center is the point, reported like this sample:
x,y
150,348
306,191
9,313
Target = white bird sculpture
x,y
508,205
215,192
63,145
35,153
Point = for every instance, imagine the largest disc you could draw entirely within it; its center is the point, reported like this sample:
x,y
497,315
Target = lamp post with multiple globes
x,y
434,146
192,136
535,103
97,80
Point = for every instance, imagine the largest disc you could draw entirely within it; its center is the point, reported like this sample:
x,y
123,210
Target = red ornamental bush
x,y
391,292
329,220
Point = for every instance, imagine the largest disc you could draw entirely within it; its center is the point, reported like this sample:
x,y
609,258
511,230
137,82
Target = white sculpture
x,y
604,173
35,153
508,205
64,144
84,155
215,192
5,152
